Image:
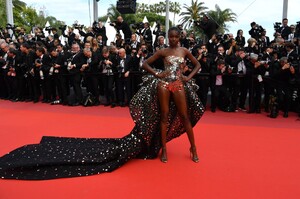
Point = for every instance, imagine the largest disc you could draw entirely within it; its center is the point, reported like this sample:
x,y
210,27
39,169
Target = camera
x,y
113,23
38,61
276,26
139,25
78,26
63,27
10,26
144,50
48,28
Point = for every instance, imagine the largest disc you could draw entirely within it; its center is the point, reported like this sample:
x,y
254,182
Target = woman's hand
x,y
163,74
185,78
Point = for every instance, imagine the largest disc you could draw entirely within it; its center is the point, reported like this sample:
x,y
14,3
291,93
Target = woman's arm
x,y
146,65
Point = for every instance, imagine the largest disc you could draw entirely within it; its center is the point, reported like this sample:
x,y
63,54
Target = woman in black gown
x,y
57,157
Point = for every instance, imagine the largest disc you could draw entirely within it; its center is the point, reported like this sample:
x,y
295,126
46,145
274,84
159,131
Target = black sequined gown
x,y
57,157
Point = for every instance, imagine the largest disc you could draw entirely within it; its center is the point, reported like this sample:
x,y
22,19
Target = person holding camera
x,y
70,35
146,36
158,31
220,96
255,30
203,80
42,72
108,69
100,29
56,72
240,39
90,71
209,26
75,62
123,82
139,58
284,73
13,74
120,24
257,71
285,29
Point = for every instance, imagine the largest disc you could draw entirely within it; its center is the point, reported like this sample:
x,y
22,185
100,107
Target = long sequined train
x,y
58,157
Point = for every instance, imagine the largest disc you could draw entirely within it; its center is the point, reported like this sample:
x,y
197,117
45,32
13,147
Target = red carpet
x,y
242,156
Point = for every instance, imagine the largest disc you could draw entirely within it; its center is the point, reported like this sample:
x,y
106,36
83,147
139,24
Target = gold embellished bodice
x,y
173,65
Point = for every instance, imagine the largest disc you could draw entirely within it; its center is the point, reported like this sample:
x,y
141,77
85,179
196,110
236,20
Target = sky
x,y
263,12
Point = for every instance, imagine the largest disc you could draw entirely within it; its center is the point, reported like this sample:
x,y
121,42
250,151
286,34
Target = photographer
x,y
42,72
284,74
100,29
56,75
257,71
240,39
123,83
38,35
90,71
158,31
209,26
284,30
120,24
89,33
146,36
13,74
160,43
108,67
203,80
255,30
70,35
75,62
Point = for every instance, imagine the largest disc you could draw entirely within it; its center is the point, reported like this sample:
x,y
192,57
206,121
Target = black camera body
x,y
138,26
10,26
63,27
78,26
48,28
276,26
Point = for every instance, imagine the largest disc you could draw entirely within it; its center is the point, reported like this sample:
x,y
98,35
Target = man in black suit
x,y
13,64
91,72
75,62
122,25
146,35
122,77
209,26
285,30
43,65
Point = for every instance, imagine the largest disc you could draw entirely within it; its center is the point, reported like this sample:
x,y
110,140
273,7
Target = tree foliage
x,y
222,17
26,16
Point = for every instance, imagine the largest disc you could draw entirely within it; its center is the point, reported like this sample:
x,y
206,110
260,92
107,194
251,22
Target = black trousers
x,y
75,81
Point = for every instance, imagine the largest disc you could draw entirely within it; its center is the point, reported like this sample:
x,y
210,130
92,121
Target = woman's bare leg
x,y
181,105
164,100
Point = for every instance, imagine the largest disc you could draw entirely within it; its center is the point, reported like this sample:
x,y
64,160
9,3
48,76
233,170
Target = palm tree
x,y
175,8
18,7
221,17
142,8
192,13
155,8
112,12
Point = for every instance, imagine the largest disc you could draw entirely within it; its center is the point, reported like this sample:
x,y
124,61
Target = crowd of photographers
x,y
264,71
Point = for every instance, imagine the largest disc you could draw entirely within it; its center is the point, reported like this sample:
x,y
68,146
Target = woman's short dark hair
x,y
174,29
